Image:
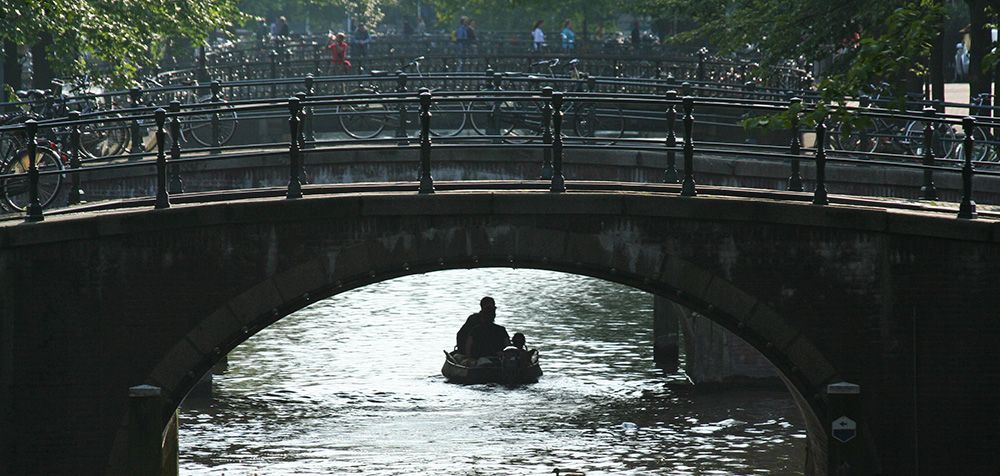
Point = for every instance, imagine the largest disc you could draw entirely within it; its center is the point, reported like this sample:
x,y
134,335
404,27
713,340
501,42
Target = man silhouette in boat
x,y
483,338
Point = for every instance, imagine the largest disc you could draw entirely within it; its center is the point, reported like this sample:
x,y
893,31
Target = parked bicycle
x,y
369,119
199,127
15,162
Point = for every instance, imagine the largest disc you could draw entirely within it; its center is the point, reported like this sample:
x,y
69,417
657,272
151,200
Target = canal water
x,y
352,384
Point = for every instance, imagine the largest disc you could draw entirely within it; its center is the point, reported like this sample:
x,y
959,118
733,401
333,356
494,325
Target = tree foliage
x,y
123,35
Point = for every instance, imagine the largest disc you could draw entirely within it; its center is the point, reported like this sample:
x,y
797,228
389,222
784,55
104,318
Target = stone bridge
x,y
900,302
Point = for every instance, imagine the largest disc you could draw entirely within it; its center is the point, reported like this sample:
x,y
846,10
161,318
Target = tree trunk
x,y
979,80
41,66
11,66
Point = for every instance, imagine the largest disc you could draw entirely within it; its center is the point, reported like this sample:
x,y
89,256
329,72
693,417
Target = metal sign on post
x,y
844,429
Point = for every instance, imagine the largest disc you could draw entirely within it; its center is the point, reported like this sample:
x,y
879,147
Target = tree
x,y
123,36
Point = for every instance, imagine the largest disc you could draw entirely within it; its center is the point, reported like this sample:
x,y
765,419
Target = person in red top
x,y
338,54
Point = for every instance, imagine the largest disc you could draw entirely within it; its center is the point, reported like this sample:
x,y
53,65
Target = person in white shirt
x,y
537,36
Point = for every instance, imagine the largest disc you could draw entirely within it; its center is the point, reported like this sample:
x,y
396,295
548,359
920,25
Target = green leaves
x,y
119,34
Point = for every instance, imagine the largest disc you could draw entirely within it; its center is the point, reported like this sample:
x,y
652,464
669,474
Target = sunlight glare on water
x,y
352,384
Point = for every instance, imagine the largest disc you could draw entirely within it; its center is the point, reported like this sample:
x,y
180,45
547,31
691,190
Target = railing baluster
x,y
401,126
295,166
75,192
162,199
34,205
176,184
819,196
558,181
670,173
967,209
426,181
135,99
688,186
795,179
216,132
928,191
547,133
309,113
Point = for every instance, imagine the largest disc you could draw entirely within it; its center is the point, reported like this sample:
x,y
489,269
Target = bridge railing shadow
x,y
45,160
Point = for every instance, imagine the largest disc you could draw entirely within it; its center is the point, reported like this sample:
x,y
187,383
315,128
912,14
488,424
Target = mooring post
x,y
967,209
688,186
546,133
558,181
666,331
145,431
846,448
176,184
795,148
75,192
928,191
670,173
162,199
426,181
294,183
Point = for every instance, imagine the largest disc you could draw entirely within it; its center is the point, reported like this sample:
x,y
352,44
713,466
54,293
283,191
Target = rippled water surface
x,y
352,384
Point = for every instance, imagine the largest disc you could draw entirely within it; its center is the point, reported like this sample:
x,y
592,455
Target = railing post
x,y
819,196
274,73
558,181
670,173
701,64
967,209
162,199
75,193
135,99
547,133
302,120
688,186
295,166
928,191
176,184
494,124
309,117
795,148
426,181
401,127
686,89
216,127
34,205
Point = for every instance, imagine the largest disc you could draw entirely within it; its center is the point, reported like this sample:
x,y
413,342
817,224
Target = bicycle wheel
x,y
944,144
481,113
981,148
522,121
447,118
14,190
592,119
9,144
201,125
854,139
364,120
102,139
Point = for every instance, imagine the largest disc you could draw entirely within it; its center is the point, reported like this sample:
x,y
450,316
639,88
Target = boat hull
x,y
457,373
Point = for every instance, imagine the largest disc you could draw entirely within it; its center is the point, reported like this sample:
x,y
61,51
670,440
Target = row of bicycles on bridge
x,y
895,136
514,121
108,137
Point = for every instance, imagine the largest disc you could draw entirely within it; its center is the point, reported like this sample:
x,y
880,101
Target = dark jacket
x,y
488,340
470,323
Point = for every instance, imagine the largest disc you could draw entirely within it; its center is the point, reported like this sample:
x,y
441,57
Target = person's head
x,y
567,24
488,308
538,24
463,20
341,36
517,340
282,20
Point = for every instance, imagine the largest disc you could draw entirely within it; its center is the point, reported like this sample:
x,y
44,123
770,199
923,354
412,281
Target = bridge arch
x,y
164,294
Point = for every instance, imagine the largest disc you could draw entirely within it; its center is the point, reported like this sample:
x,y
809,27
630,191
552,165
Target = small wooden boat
x,y
509,369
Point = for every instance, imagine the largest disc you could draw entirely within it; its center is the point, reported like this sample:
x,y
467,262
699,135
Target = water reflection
x,y
353,385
